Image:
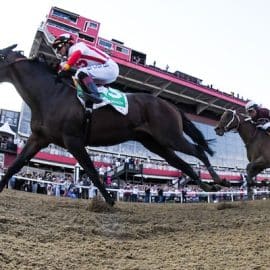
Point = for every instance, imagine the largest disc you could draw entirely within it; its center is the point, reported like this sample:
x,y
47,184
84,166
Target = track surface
x,y
42,232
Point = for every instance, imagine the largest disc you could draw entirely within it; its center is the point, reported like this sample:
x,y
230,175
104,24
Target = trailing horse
x,y
59,118
257,142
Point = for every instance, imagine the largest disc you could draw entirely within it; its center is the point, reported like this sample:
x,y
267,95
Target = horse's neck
x,y
246,130
25,78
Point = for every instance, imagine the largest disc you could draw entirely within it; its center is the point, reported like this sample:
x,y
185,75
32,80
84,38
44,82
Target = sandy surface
x,y
41,232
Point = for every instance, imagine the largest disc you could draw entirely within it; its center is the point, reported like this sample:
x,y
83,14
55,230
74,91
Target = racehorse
x,y
59,118
257,142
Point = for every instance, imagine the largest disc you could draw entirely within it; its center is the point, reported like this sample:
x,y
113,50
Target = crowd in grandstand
x,y
63,185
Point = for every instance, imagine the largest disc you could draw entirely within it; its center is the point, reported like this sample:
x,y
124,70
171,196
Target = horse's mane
x,y
46,68
42,62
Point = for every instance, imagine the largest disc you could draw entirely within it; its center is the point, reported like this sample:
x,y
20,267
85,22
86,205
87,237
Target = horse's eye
x,y
2,57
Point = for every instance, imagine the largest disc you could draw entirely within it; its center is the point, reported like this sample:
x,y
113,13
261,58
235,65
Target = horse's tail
x,y
195,134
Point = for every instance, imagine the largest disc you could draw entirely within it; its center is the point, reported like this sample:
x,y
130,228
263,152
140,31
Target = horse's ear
x,y
10,48
241,110
231,109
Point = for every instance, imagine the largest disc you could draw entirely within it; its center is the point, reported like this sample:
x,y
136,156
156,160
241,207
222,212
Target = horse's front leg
x,y
253,168
76,147
33,145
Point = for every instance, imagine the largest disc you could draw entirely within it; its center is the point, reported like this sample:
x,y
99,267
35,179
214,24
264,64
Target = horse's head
x,y
8,57
229,121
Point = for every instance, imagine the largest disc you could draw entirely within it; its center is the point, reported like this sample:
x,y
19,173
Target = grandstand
x,y
201,102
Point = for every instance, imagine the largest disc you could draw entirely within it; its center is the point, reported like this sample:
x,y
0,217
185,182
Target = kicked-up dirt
x,y
42,232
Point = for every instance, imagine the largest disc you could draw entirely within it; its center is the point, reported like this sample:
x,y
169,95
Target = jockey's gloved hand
x,y
64,71
63,74
64,66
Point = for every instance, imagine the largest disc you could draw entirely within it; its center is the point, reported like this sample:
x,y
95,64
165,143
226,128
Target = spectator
x,y
85,191
57,187
134,195
34,186
184,195
92,191
147,191
160,195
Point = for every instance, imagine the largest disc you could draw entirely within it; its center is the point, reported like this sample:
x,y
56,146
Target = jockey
x,y
261,116
93,66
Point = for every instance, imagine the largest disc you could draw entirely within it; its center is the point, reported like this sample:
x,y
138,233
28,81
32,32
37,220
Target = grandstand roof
x,y
136,77
167,85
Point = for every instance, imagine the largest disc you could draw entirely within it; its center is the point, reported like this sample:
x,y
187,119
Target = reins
x,y
252,137
236,129
14,62
235,116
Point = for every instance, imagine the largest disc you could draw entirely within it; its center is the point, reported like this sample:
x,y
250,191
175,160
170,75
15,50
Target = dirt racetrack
x,y
42,232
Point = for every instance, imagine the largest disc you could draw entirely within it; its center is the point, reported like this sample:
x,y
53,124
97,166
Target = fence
x,y
177,196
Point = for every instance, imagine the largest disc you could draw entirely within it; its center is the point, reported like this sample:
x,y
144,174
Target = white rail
x,y
190,194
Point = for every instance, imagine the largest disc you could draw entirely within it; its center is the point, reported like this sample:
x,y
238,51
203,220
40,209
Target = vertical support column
x,y
76,173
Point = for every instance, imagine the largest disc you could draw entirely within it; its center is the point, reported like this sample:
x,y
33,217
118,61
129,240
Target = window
x,y
105,43
64,15
89,24
122,50
93,25
2,158
62,26
9,116
85,37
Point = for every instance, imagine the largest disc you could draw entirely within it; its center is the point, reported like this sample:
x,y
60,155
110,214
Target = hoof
x,y
2,185
225,183
110,201
210,188
216,188
205,187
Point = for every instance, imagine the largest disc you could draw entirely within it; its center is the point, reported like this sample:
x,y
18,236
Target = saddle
x,y
115,98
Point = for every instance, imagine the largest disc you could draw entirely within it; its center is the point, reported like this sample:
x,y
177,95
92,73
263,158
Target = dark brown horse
x,y
257,142
58,117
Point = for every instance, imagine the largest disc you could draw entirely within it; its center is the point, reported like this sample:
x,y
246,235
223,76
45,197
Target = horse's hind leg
x,y
184,146
175,161
76,147
33,145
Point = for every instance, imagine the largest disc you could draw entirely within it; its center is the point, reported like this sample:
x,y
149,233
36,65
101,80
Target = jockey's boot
x,y
90,90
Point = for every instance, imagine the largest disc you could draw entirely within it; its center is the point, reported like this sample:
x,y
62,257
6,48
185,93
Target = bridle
x,y
4,58
234,116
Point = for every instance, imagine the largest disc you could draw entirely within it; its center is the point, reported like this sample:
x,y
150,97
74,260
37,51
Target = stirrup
x,y
93,98
81,100
88,112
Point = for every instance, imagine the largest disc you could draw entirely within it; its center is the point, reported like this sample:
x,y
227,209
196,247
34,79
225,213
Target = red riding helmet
x,y
63,39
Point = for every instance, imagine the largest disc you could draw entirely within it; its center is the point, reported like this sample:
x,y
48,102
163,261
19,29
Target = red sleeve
x,y
263,113
74,58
